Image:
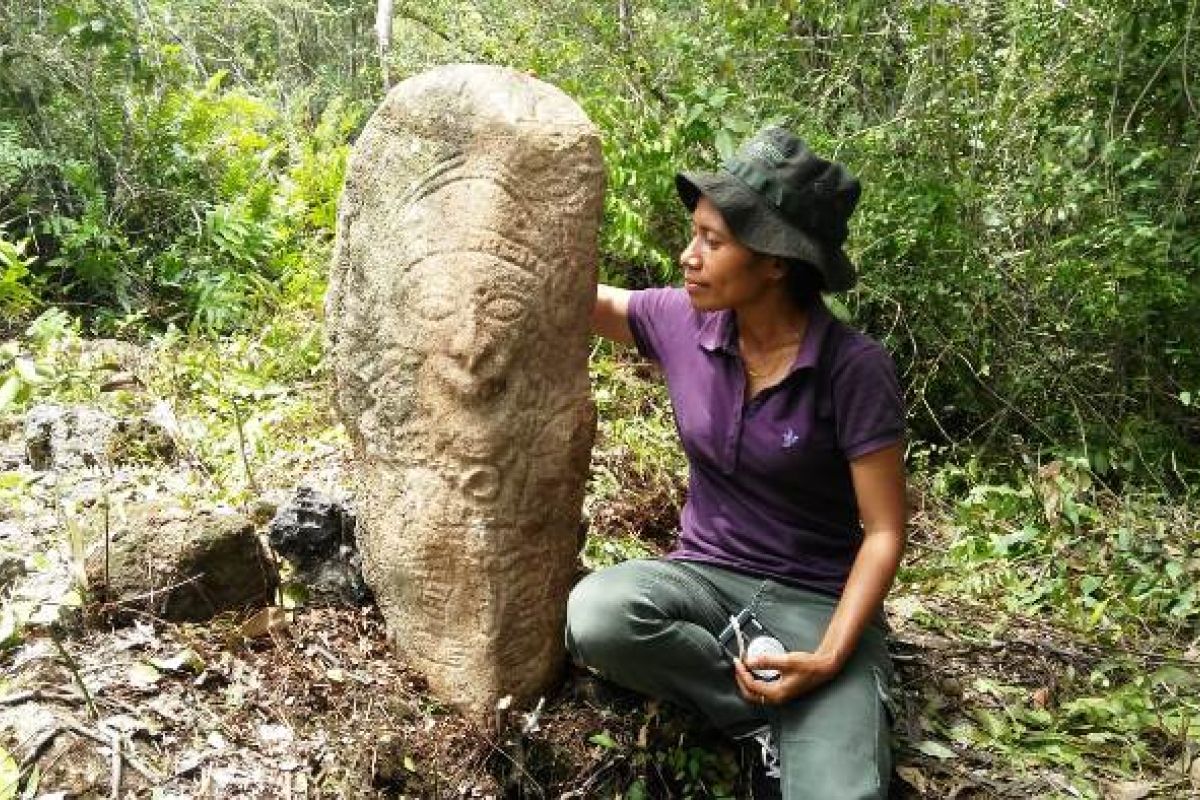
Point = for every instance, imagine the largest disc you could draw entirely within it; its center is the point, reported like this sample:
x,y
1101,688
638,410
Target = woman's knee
x,y
598,612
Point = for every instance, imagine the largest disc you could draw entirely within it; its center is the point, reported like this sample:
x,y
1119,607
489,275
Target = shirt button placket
x,y
737,407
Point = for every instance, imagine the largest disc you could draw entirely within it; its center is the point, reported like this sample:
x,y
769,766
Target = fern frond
x,y
16,160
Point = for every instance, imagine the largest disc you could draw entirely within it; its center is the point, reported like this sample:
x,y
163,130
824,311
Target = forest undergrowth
x,y
1044,626
1029,250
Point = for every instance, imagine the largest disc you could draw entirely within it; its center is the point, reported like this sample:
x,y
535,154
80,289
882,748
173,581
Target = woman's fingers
x,y
799,673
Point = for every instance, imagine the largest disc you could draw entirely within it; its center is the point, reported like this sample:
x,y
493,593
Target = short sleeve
x,y
868,405
656,318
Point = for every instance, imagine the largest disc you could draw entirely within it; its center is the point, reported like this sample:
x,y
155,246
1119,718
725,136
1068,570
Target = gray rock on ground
x,y
57,437
181,565
460,292
65,438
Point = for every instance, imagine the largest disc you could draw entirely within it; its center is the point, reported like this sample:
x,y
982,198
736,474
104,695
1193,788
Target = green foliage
x,y
249,403
44,363
669,760
1027,239
638,470
18,292
1049,540
1048,543
1108,718
150,182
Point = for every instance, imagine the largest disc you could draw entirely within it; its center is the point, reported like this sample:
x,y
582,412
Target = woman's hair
x,y
803,282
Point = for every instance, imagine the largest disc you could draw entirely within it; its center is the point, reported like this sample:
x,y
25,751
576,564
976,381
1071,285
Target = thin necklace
x,y
753,373
773,361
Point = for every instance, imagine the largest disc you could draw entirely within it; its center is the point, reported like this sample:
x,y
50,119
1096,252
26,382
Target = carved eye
x,y
434,302
504,308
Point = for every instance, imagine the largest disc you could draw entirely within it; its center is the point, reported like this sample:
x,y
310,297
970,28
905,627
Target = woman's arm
x,y
610,314
879,488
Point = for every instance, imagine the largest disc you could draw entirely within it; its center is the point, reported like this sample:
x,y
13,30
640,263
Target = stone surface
x,y
462,280
141,440
66,438
179,564
57,437
12,569
315,533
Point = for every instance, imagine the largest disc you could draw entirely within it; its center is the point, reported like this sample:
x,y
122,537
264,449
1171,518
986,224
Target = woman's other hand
x,y
799,674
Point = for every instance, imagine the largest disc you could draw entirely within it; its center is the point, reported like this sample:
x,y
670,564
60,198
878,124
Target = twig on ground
x,y
98,737
16,698
156,591
115,746
73,667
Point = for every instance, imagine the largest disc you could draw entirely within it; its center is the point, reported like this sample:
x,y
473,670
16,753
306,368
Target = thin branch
x,y
1150,83
73,667
115,747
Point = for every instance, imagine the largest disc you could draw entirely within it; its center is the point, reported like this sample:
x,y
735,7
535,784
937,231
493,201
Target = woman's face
x,y
719,271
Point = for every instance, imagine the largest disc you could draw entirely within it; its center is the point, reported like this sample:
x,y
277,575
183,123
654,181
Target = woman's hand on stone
x,y
799,674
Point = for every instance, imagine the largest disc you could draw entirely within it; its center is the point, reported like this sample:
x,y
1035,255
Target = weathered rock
x,y
63,438
12,568
462,282
182,565
141,441
315,533
12,455
67,438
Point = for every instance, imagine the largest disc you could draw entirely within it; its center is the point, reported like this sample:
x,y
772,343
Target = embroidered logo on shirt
x,y
789,439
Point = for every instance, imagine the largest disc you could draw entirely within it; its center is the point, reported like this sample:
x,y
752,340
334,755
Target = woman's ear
x,y
778,268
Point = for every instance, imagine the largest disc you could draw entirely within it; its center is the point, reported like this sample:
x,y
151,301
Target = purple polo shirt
x,y
769,489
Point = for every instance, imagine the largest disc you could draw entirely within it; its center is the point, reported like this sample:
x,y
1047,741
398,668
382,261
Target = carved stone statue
x,y
461,287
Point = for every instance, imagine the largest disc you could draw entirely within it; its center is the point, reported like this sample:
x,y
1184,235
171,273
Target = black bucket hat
x,y
781,199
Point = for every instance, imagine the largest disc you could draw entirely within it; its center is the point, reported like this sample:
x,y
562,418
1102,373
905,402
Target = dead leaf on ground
x,y
184,659
265,621
143,675
1125,790
914,778
1194,773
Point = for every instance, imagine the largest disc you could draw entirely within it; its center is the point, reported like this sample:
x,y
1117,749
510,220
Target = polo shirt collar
x,y
718,333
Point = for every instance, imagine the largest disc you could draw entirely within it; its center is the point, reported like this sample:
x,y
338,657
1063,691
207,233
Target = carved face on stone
x,y
470,309
469,291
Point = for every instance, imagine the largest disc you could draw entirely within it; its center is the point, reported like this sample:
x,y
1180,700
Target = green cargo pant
x,y
652,626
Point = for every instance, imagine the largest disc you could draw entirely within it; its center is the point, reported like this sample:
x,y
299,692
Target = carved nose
x,y
463,345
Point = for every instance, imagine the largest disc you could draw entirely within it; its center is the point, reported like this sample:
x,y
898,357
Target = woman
x,y
792,424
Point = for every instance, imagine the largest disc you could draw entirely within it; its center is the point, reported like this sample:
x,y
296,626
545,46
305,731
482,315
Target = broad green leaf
x,y
838,308
27,370
725,144
9,390
10,775
936,749
604,739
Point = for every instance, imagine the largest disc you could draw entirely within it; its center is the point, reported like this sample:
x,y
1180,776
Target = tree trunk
x,y
383,34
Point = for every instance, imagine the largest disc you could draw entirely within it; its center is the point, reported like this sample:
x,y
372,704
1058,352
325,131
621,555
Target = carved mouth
x,y
480,382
